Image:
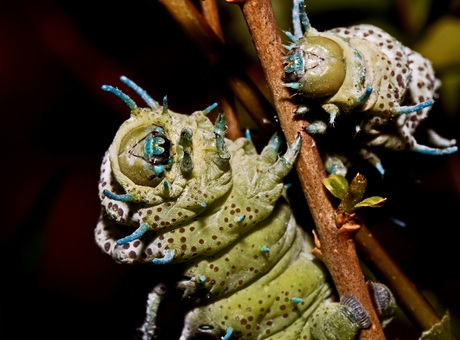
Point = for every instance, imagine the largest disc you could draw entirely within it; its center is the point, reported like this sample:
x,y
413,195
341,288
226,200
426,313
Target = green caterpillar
x,y
174,191
363,73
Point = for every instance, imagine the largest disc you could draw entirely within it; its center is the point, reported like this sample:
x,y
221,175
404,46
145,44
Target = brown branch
x,y
337,248
211,16
409,298
214,50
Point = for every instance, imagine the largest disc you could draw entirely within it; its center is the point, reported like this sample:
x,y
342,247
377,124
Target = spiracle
x,y
174,190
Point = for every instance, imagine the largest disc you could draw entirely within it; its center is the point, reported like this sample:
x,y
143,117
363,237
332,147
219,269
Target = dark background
x,y
57,123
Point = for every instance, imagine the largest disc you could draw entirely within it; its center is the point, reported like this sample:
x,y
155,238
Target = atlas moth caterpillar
x,y
362,71
174,191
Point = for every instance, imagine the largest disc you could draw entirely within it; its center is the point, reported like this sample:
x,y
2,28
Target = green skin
x,y
225,217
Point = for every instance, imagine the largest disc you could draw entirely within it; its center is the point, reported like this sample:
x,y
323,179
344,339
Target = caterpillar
x,y
362,71
175,192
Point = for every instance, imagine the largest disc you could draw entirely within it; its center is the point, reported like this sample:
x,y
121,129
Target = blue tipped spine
x,y
153,104
126,99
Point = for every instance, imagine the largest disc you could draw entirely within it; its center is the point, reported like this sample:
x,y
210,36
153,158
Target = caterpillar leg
x,y
147,330
316,127
433,151
270,168
440,141
338,163
373,159
269,153
443,146
333,111
383,300
335,165
339,320
284,163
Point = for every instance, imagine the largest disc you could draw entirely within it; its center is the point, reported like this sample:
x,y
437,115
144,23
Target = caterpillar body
x,y
174,191
364,72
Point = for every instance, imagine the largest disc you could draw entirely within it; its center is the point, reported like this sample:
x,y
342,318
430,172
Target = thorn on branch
x,y
317,250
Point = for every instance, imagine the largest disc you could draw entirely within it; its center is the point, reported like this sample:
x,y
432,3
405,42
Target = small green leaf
x,y
337,185
372,202
354,195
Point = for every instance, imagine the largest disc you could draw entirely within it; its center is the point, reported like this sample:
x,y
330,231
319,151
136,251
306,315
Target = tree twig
x,y
213,48
211,15
336,245
409,298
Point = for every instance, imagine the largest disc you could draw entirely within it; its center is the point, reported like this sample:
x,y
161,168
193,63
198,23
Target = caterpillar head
x,y
317,64
156,152
325,67
142,150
